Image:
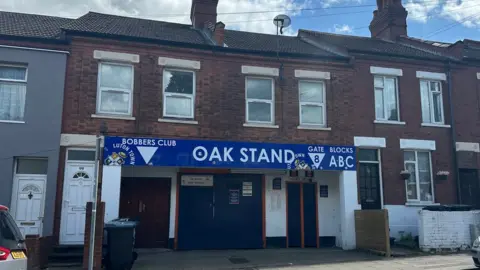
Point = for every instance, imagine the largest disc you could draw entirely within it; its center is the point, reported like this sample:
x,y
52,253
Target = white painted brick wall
x,y
446,230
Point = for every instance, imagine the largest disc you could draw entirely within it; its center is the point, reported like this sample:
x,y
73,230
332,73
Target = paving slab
x,y
293,259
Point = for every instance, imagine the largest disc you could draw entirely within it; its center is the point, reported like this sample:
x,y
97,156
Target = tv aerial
x,y
282,21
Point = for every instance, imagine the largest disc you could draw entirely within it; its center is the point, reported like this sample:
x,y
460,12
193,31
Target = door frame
x,y
13,204
62,241
302,222
380,179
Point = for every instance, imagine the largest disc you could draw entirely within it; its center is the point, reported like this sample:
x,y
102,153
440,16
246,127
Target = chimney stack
x,y
389,20
204,14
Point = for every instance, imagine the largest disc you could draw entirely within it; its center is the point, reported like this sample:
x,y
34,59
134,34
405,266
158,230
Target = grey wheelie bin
x,y
120,241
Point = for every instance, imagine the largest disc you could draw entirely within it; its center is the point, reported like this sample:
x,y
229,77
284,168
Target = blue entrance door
x,y
309,215
225,216
302,214
195,214
294,215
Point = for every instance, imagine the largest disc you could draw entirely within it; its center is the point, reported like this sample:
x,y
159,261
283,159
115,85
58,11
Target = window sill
x,y
260,125
389,122
118,117
187,122
436,125
420,203
313,127
12,122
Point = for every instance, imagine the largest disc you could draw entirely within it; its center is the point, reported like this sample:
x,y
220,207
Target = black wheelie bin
x,y
119,242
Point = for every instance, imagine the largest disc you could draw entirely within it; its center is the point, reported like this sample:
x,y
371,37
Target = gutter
x,y
400,56
54,41
453,132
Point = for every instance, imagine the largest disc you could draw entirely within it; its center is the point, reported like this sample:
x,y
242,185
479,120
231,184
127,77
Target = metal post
x,y
94,203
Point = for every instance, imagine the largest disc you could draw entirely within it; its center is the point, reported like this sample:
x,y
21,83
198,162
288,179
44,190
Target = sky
x,y
442,20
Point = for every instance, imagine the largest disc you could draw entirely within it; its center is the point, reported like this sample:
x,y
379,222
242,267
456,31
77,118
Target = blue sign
x,y
121,151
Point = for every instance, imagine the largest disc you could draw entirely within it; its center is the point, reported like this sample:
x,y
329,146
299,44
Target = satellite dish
x,y
282,21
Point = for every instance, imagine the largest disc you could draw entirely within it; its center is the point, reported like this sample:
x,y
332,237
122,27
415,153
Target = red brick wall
x,y
38,249
410,112
217,120
220,105
466,100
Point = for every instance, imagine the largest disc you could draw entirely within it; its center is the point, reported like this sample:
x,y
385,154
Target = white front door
x,y
28,203
77,191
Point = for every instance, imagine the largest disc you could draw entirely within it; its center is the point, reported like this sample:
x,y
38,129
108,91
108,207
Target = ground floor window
x,y
419,186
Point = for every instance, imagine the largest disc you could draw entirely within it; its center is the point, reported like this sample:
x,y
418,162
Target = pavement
x,y
311,259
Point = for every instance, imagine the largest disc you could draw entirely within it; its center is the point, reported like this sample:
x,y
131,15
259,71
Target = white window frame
x,y
417,177
430,101
99,89
271,102
191,96
23,82
13,80
318,104
385,118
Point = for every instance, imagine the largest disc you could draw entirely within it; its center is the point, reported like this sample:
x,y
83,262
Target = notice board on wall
x,y
247,189
234,196
323,191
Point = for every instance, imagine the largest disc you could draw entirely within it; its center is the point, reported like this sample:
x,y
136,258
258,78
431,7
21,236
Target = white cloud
x,y
421,11
342,29
159,10
465,12
328,3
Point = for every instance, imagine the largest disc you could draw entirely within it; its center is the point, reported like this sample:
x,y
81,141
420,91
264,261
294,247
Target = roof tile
x,y
31,25
369,45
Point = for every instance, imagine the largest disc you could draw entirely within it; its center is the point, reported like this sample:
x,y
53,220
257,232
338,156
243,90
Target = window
x,y
432,102
115,89
419,185
32,166
81,155
386,98
259,94
178,93
13,89
312,103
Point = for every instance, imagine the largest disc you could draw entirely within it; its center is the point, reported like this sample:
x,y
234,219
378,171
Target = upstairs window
x,y
115,89
13,89
178,93
312,103
420,184
386,98
260,98
432,102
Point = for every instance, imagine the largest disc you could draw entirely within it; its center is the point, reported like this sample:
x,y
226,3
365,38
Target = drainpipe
x,y
453,131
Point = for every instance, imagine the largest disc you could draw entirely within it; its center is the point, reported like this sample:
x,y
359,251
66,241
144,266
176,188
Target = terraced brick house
x,y
233,133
